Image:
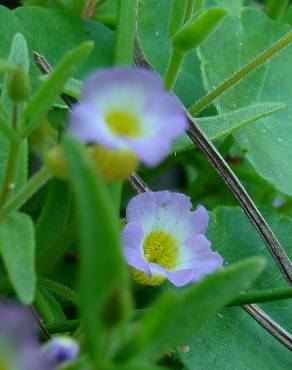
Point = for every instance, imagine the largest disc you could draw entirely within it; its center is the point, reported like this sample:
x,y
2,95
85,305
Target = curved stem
x,y
59,289
245,70
34,184
173,69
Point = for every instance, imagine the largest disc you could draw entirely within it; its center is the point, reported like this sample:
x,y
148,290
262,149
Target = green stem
x,y
125,32
43,308
13,156
9,184
63,326
29,189
245,70
46,261
59,289
262,296
173,69
189,10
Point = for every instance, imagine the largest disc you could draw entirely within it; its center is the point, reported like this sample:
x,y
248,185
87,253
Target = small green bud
x,y
56,162
116,307
18,85
198,29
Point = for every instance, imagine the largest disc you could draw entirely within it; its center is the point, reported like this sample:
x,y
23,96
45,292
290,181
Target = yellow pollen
x,y
123,123
160,247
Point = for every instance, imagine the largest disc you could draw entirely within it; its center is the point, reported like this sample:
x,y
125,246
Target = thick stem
x,y
33,185
125,32
244,71
173,69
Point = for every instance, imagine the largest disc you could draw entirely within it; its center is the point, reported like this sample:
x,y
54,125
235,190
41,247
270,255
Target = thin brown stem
x,y
39,322
270,325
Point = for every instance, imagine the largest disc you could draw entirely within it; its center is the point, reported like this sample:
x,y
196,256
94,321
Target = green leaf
x,y
102,266
66,31
153,35
176,316
17,248
6,66
231,336
197,30
54,215
230,340
267,144
42,101
216,127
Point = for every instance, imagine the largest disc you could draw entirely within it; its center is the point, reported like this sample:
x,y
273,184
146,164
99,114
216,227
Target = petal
x,y
87,125
199,220
150,151
139,80
180,277
196,253
132,240
160,210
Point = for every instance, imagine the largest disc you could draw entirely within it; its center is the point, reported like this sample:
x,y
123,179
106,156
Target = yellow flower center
x,y
160,247
123,123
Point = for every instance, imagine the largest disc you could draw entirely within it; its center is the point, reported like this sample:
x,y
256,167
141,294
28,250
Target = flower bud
x,y
116,307
18,85
113,165
60,350
198,29
142,278
56,162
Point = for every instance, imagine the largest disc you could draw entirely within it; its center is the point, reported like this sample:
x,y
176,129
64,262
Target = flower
x,y
19,347
164,239
60,350
129,115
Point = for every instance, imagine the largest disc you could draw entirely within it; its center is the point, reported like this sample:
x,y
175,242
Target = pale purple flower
x,y
19,347
127,108
61,350
164,239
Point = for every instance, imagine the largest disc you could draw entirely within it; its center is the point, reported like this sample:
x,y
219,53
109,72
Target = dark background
x,y
10,4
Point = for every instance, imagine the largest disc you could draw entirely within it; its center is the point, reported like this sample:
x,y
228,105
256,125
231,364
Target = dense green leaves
x,y
184,312
267,144
17,248
102,265
233,236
